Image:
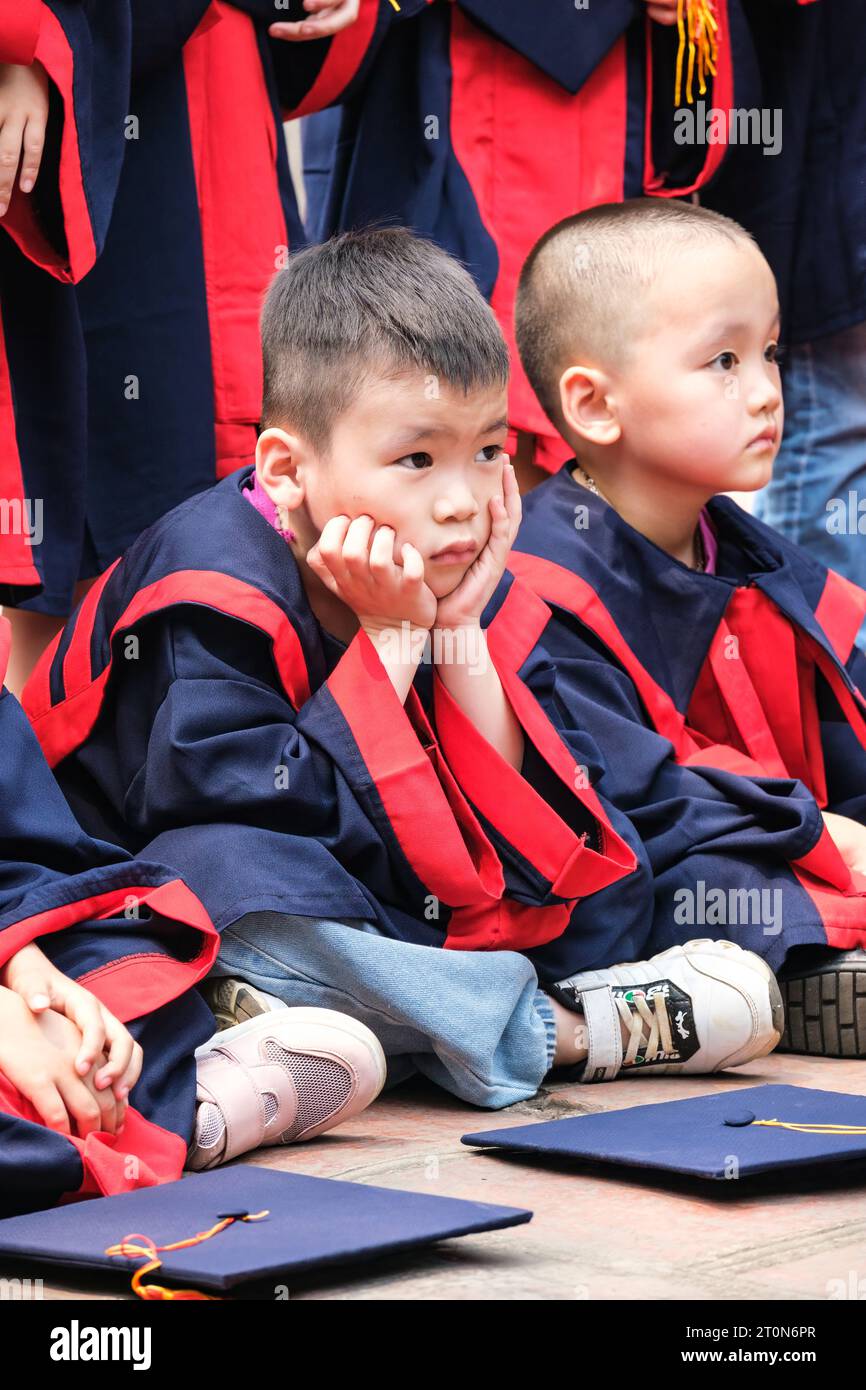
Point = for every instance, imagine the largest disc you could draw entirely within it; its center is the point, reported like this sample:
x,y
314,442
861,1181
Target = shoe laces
x,y
648,1025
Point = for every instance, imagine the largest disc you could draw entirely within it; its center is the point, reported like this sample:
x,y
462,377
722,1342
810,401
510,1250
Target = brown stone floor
x,y
595,1234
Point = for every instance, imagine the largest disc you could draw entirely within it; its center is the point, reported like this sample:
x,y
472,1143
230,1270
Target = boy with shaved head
x,y
708,663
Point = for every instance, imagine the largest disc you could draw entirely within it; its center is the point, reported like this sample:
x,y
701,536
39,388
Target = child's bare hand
x,y
662,11
849,837
465,604
355,560
37,1055
326,17
42,986
23,118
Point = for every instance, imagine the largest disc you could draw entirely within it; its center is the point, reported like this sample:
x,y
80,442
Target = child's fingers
x,y
48,1104
319,26
125,1059
34,987
498,520
382,558
356,546
81,1104
511,494
320,569
413,564
34,143
10,153
316,7
328,549
85,1011
107,1107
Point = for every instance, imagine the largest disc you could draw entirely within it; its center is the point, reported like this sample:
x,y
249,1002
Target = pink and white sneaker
x,y
279,1078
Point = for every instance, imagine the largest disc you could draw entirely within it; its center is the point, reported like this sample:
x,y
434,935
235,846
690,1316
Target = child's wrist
x,y
388,628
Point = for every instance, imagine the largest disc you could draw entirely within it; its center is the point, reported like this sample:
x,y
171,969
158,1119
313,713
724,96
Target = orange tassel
x,y
698,29
150,1252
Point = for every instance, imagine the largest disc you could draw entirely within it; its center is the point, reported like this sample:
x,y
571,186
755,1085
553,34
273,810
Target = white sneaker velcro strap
x,y
604,1052
224,1080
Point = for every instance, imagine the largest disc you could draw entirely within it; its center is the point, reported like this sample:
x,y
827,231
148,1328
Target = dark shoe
x,y
825,1006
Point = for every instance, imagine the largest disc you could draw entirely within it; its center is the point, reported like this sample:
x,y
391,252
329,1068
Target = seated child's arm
x,y
105,1050
464,665
679,810
391,602
38,1056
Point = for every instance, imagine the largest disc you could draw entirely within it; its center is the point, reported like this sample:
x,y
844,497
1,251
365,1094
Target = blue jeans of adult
x,y
818,493
474,1022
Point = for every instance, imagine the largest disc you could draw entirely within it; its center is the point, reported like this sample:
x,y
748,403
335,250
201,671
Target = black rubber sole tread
x,y
825,1015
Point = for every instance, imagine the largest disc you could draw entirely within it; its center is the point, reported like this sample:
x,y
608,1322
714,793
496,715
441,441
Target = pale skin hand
x,y
37,1055
465,604
41,986
662,11
23,118
355,560
326,17
477,689
849,837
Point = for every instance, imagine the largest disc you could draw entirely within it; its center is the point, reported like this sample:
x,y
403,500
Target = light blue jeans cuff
x,y
545,1008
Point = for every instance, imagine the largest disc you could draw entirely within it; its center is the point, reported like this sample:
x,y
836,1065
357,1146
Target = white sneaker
x,y
694,1008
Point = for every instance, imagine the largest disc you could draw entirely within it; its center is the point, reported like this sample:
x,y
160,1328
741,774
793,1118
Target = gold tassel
x,y
698,28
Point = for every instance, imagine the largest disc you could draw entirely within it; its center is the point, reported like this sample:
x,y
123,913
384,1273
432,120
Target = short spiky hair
x,y
583,289
375,302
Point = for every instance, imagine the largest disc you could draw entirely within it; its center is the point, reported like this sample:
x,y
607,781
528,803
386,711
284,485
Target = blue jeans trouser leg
x,y
818,493
475,1022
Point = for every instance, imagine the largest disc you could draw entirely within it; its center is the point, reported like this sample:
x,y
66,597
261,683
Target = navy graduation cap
x,y
758,1129
281,1223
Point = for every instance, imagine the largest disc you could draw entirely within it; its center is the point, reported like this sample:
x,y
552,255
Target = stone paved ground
x,y
596,1234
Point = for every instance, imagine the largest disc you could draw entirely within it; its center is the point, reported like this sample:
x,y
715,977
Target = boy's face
x,y
700,399
426,467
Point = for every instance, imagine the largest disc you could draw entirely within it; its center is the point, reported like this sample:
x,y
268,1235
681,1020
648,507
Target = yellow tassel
x,y
697,28
813,1129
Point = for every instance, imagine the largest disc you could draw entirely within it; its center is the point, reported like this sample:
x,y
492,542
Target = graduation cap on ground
x,y
756,1130
243,1223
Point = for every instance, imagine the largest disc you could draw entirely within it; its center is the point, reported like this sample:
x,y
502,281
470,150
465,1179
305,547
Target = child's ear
x,y
586,399
280,460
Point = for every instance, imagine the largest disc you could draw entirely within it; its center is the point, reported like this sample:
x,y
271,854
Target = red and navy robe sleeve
x,y
50,238
841,697
678,808
84,50
321,794
555,836
322,803
320,73
134,935
734,852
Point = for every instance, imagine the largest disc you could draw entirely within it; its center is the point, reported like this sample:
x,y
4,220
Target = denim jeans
x,y
823,454
475,1022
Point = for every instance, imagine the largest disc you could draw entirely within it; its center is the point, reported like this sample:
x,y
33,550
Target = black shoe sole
x,y
825,1014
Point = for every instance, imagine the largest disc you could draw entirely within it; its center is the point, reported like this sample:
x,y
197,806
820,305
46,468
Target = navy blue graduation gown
x,y
49,239
722,712
137,938
193,703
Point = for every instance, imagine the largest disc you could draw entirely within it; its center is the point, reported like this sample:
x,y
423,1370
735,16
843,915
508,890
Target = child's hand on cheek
x,y
465,604
355,560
